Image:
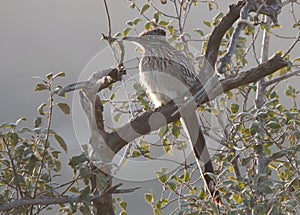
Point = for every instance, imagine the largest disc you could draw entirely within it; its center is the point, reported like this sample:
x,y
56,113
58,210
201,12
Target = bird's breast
x,y
162,79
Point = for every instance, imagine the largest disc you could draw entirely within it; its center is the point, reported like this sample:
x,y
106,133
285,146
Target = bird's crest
x,y
154,32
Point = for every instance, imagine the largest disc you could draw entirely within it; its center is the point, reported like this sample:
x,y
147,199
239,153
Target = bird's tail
x,y
191,124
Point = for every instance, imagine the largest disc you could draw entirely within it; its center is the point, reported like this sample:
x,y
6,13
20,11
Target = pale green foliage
x,y
30,162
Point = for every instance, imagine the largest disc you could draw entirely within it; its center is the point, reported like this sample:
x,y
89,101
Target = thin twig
x,y
276,80
108,18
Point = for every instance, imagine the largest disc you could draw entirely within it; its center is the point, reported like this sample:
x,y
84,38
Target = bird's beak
x,y
72,87
133,39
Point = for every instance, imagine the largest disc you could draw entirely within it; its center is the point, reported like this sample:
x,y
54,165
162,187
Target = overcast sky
x,y
42,36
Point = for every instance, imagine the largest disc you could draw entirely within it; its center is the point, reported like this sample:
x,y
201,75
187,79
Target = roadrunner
x,y
167,74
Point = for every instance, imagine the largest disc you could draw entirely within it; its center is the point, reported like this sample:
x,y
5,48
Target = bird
x,y
167,74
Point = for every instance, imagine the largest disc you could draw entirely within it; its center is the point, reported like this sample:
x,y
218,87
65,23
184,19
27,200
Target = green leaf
x,y
117,117
60,74
123,205
38,122
291,91
246,160
207,23
57,165
41,108
130,23
163,23
234,108
162,177
202,194
237,198
279,154
64,108
19,120
273,125
166,145
296,60
126,32
73,190
84,209
136,21
149,197
163,130
118,34
49,75
85,193
186,176
132,5
265,27
41,87
148,25
144,8
297,135
61,142
135,154
156,16
254,128
274,210
18,179
171,29
199,31
74,161
171,186
210,7
176,129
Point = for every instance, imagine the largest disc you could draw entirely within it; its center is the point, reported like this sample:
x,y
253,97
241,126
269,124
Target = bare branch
x,y
108,18
281,78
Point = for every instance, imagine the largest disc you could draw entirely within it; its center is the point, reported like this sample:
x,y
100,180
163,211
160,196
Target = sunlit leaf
x,y
163,130
49,75
41,87
123,205
207,23
171,186
144,8
64,108
41,108
199,31
163,23
237,198
60,74
234,108
149,197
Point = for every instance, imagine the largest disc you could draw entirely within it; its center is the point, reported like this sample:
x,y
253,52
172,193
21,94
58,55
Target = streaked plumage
x,y
167,74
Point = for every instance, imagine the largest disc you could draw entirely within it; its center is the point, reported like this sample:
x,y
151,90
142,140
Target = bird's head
x,y
148,38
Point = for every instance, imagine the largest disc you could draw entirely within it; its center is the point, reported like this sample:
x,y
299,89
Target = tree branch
x,y
50,200
140,125
281,78
218,32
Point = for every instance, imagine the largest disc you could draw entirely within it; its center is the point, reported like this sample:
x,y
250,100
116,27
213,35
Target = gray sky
x,y
39,36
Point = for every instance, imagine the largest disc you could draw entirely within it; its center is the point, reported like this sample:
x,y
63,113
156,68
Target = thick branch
x,y
50,200
218,32
140,125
